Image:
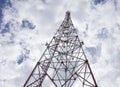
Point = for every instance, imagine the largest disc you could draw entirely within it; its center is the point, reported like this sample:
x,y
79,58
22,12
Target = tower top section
x,y
68,15
67,22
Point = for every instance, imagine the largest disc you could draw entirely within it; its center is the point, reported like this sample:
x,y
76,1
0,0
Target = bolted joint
x,y
86,61
82,43
38,63
74,78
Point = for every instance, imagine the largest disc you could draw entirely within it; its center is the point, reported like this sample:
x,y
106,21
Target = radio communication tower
x,y
63,63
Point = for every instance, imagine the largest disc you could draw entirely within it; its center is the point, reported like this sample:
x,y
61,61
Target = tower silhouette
x,y
63,63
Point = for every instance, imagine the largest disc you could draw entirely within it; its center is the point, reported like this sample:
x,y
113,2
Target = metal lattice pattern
x,y
63,63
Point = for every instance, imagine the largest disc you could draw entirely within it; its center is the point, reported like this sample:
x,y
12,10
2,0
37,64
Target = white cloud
x,y
91,21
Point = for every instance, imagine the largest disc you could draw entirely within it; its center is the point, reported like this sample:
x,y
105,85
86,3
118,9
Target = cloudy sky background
x,y
26,25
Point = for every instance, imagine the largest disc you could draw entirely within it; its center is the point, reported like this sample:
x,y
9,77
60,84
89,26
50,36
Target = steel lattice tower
x,y
63,63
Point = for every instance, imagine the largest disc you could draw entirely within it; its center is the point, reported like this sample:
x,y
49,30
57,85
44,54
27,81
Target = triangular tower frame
x,y
63,63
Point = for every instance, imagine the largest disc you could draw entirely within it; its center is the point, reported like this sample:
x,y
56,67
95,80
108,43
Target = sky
x,y
26,25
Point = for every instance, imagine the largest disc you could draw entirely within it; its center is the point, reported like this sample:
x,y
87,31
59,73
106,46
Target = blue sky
x,y
26,25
